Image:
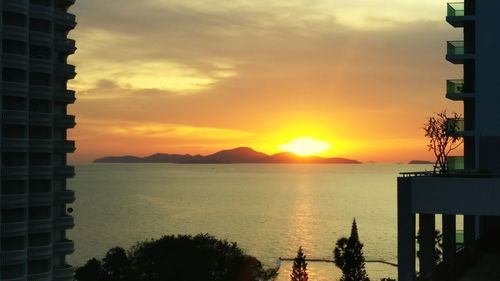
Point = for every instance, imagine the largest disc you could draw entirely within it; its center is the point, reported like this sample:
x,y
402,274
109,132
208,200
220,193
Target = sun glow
x,y
306,146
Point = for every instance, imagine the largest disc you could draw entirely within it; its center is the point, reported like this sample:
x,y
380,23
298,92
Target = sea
x,y
270,210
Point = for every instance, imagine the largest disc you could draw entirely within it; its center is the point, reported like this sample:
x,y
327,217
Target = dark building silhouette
x,y
34,99
471,189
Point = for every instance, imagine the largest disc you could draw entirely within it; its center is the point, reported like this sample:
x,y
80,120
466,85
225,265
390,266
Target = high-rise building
x,y
34,216
468,196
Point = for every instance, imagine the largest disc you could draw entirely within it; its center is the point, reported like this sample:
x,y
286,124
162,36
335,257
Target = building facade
x,y
34,215
471,190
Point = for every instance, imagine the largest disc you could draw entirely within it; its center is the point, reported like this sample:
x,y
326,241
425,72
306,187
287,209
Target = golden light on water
x,y
306,146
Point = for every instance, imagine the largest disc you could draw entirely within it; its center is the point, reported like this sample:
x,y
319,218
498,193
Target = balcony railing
x,y
64,247
14,227
455,163
456,48
455,125
63,272
456,9
64,222
66,96
40,225
455,86
40,251
15,200
15,5
12,256
67,196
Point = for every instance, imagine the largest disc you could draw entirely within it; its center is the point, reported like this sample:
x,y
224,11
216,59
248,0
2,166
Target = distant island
x,y
236,155
420,162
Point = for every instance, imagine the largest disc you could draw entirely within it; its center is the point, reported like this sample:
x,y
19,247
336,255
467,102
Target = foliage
x,y
441,131
299,270
348,257
438,242
177,258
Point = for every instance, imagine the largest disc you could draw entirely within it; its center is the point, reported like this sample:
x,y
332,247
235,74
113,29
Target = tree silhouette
x,y
177,258
441,131
348,257
299,269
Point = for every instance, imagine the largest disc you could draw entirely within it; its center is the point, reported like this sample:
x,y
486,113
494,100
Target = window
x,y
13,159
40,79
13,243
14,19
13,103
39,186
14,131
39,213
40,2
13,215
40,52
40,159
37,105
12,271
39,239
14,47
40,132
14,75
40,25
38,266
13,187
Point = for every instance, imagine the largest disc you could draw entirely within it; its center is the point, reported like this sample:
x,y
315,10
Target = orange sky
x,y
185,76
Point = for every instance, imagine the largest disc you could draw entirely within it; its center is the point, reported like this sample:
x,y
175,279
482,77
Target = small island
x,y
420,162
236,155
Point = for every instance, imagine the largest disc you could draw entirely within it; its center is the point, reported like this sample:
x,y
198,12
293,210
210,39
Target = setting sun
x,y
305,146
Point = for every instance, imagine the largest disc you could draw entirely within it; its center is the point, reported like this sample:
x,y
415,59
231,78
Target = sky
x,y
198,76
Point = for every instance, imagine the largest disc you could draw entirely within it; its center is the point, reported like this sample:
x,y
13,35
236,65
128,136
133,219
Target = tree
x,y
177,258
348,257
299,269
441,131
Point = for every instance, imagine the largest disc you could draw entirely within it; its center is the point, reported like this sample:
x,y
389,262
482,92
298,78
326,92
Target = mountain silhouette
x,y
236,155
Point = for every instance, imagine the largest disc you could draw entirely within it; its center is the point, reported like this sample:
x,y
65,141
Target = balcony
x,y
63,272
40,225
64,222
40,91
45,276
15,200
14,145
65,70
64,146
14,228
41,65
66,121
66,20
40,145
40,251
64,171
65,247
15,60
14,172
13,256
18,33
19,6
455,90
41,38
15,89
14,116
40,171
41,12
455,163
42,118
456,14
66,45
66,196
65,96
40,198
456,128
456,52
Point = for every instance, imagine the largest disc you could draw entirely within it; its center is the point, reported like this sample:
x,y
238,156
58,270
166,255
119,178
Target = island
x,y
420,162
229,156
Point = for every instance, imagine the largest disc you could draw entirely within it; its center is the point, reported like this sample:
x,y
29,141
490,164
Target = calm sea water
x,y
269,210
